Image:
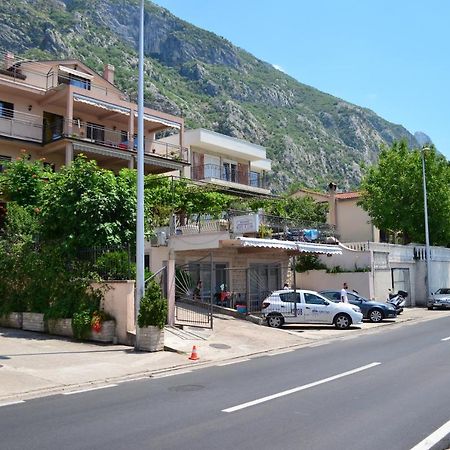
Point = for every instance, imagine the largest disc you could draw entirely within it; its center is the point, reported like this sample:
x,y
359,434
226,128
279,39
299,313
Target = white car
x,y
440,299
301,306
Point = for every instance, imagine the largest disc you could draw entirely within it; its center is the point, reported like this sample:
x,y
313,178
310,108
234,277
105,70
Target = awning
x,y
156,119
101,150
302,247
76,73
101,104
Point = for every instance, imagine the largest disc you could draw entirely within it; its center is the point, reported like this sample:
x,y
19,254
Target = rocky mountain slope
x,y
312,137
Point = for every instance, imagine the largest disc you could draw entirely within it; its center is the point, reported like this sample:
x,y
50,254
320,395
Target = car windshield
x,y
444,291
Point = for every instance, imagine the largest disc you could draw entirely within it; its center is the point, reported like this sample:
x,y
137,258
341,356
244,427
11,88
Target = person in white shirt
x,y
344,297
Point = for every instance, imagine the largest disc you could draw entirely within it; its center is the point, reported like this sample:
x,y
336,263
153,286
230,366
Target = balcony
x,y
20,125
262,226
229,173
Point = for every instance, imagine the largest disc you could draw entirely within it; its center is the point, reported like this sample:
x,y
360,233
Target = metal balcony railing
x,y
20,125
229,173
97,134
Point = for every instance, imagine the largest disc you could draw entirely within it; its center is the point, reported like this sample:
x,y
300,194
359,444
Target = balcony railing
x,y
273,227
20,125
107,137
229,173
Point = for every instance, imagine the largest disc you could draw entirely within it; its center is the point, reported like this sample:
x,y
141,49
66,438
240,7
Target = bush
x,y
153,308
307,262
114,266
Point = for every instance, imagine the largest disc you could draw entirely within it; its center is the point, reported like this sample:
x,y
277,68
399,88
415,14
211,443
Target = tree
x,y
392,193
86,206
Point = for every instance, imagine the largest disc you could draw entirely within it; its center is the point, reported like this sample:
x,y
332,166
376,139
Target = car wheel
x,y
376,315
275,321
342,321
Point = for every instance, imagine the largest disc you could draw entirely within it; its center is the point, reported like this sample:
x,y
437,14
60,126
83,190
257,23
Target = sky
x,y
389,56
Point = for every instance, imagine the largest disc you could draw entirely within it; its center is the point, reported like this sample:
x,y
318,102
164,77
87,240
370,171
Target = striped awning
x,y
302,247
101,104
160,120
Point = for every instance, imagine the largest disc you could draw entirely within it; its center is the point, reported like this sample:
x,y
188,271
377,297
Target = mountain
x,y
422,138
312,137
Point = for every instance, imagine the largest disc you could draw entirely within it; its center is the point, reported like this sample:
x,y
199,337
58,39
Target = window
x,y
74,80
230,171
290,297
255,179
6,110
3,160
312,299
95,132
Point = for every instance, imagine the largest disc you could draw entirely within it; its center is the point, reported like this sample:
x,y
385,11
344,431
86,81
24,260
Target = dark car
x,y
373,311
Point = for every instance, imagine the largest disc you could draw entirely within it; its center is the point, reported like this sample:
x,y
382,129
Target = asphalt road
x,y
311,398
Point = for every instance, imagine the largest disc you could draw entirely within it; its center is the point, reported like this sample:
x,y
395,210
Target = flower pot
x,y
11,320
106,333
33,322
151,339
60,327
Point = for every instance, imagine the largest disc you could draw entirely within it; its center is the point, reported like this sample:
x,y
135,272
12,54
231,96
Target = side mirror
x,y
326,303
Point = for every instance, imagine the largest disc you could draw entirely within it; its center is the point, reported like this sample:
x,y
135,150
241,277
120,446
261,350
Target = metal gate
x,y
194,293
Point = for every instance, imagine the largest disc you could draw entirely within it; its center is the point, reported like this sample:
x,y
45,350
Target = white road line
x,y
446,339
280,352
433,438
133,379
90,389
229,363
170,374
11,403
299,388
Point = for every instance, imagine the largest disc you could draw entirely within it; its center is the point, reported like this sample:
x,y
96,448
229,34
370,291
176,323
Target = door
x,y
53,127
317,309
291,307
212,167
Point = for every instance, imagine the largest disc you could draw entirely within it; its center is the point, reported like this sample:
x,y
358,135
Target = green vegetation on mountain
x,y
312,137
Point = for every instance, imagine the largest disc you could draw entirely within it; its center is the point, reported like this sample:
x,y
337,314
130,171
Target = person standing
x,y
344,297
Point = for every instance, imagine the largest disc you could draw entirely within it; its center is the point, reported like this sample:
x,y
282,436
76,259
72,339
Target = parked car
x,y
301,306
440,299
373,311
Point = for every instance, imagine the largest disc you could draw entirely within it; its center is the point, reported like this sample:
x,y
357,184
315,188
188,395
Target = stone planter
x,y
60,327
11,320
33,322
106,334
151,339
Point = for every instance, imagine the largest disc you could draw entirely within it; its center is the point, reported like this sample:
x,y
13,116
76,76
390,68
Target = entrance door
x,y
400,282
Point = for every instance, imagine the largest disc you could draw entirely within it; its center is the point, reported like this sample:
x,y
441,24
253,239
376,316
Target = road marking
x,y
433,438
299,388
11,403
446,339
170,374
133,379
90,389
232,362
280,352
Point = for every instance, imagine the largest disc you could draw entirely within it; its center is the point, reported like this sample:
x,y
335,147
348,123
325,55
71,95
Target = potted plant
x,y
151,319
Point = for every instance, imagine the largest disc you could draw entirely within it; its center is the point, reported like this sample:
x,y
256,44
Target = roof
x,y
347,195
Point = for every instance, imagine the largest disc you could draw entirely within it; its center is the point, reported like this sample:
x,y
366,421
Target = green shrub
x,y
153,307
114,266
306,262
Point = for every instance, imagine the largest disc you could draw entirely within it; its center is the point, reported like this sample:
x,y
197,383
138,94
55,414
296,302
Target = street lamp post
x,y
140,280
427,235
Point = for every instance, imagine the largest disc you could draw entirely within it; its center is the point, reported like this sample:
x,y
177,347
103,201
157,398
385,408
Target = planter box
x,y
11,320
60,327
151,339
106,334
33,322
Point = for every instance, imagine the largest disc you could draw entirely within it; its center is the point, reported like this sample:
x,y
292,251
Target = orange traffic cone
x,y
194,355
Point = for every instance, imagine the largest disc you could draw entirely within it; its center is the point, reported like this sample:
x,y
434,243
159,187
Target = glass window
x,y
95,132
73,80
6,110
290,297
312,299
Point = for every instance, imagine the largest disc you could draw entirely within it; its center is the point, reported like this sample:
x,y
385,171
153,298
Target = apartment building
x,y
228,163
58,109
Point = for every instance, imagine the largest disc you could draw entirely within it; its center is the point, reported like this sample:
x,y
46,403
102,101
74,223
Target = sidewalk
x,y
34,364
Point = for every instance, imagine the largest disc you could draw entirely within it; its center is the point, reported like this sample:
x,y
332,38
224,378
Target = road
x,y
383,391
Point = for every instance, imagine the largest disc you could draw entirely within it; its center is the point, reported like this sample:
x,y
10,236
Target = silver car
x,y
440,299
